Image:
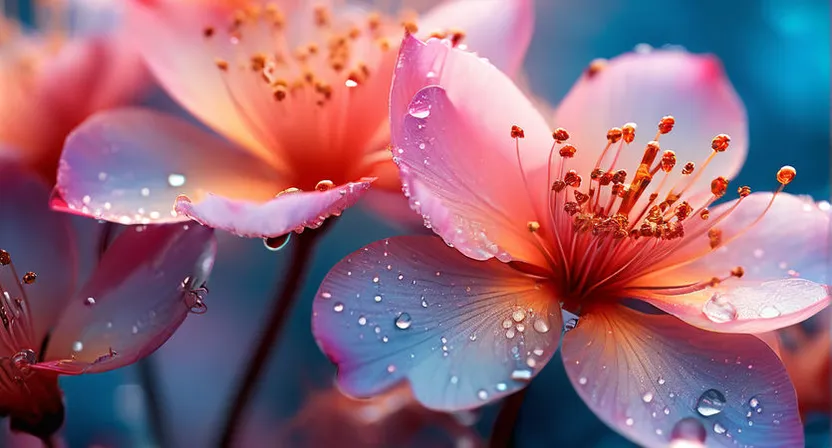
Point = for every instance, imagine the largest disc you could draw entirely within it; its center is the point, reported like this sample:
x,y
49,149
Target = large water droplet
x,y
278,242
518,315
689,429
419,108
711,402
404,321
521,375
718,309
769,312
176,180
540,325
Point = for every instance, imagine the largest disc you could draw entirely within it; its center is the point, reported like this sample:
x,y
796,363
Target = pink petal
x,y
174,47
279,216
646,375
499,30
784,259
456,156
463,332
129,166
144,287
643,88
38,240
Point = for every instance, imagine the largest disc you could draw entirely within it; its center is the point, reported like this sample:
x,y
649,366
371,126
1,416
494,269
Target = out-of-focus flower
x,y
550,232
300,87
54,77
806,356
143,288
393,418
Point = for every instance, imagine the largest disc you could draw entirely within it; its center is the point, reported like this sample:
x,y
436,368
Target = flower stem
x,y
282,303
502,436
146,366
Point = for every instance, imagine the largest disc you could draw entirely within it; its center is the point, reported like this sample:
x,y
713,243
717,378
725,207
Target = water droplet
x,y
77,346
661,381
582,380
689,429
362,320
176,180
375,279
482,394
326,295
404,321
400,277
472,337
647,397
351,83
89,301
629,421
753,402
719,429
718,309
277,243
391,368
454,379
501,387
419,108
711,402
518,315
29,277
769,312
421,146
377,298
23,359
507,324
538,351
338,307
510,333
570,324
521,375
424,302
541,325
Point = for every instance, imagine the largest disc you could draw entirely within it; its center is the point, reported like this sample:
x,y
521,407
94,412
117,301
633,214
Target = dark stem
x,y
282,303
502,436
146,367
155,409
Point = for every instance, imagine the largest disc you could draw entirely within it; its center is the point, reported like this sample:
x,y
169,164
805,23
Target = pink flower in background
x,y
301,89
56,76
582,229
393,418
143,288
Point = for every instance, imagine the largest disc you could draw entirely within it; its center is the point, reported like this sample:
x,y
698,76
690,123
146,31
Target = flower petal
x,y
174,47
648,375
463,332
456,156
144,287
499,30
39,240
784,258
643,88
279,216
129,166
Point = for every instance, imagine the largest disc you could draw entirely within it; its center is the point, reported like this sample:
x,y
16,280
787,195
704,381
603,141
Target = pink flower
x,y
393,418
143,288
550,233
54,78
300,88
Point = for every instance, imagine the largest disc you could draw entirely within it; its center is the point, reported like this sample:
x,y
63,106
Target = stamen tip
x,y
786,174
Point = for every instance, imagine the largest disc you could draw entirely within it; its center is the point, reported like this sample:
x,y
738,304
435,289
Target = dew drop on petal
x,y
424,302
629,421
688,429
521,375
518,315
719,429
77,346
277,243
647,397
501,387
541,325
362,320
711,402
176,180
377,298
769,312
753,402
404,321
419,108
582,380
338,307
89,301
718,309
482,394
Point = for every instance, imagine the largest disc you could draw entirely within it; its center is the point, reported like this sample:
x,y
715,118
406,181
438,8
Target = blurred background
x,y
776,53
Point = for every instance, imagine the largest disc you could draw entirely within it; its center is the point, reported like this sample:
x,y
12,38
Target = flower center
x,y
17,336
606,231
